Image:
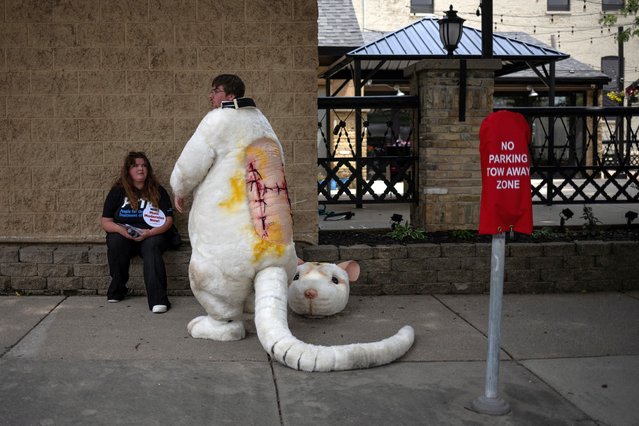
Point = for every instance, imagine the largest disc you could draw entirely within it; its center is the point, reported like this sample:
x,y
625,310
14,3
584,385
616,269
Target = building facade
x,y
571,26
83,82
449,181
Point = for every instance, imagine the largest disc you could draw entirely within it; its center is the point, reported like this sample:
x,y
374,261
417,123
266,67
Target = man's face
x,y
217,95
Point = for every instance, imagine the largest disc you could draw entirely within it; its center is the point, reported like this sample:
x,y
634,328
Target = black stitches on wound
x,y
257,186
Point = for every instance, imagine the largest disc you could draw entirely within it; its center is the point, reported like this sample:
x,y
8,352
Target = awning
x,y
394,52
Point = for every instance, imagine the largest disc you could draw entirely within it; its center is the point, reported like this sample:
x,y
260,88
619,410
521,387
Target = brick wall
x,y
448,149
414,269
82,82
465,268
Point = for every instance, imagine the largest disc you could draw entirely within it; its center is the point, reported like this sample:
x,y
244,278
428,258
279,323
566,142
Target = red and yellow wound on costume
x,y
268,199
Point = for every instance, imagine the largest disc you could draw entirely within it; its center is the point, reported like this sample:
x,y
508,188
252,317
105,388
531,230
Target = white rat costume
x,y
240,229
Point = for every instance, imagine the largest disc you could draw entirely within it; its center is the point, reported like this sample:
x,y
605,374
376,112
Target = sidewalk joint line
x,y
8,348
517,362
557,392
277,391
501,347
632,296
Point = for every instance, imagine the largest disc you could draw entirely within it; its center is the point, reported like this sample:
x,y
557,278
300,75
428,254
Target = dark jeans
x,y
121,250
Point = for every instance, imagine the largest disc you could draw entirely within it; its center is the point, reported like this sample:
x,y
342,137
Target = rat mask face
x,y
321,289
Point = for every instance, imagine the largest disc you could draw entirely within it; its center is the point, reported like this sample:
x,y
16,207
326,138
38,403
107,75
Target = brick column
x,y
449,184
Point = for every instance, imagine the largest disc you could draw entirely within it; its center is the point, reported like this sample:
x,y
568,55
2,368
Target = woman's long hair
x,y
151,189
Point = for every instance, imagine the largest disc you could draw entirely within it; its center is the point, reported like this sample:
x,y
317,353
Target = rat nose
x,y
310,293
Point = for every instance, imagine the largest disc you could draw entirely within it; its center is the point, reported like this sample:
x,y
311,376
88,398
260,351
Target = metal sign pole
x,y
490,403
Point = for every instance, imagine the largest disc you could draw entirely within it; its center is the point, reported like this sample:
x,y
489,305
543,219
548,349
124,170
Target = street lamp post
x,y
451,30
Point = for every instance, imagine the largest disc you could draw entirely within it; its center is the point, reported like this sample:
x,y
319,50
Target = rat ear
x,y
299,261
352,269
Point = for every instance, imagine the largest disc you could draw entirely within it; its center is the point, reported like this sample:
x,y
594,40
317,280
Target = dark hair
x,y
233,85
151,190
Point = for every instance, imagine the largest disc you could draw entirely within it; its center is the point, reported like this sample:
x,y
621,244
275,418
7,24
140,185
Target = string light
x,y
536,15
559,39
610,37
537,29
544,30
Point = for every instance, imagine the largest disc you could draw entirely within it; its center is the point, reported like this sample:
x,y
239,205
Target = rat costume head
x,y
321,289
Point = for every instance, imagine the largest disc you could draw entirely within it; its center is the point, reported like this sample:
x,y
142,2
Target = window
x,y
610,67
608,5
558,5
421,6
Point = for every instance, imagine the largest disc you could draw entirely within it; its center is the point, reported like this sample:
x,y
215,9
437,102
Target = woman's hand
x,y
110,226
141,237
146,233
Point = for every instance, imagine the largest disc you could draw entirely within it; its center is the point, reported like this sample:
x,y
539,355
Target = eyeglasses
x,y
216,91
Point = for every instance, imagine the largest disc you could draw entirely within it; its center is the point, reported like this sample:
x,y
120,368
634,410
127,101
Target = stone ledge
x,y
34,269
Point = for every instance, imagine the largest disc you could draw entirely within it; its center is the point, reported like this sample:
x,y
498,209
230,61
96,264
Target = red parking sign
x,y
506,200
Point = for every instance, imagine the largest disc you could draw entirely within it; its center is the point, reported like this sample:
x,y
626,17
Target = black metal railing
x,y
584,154
389,179
367,145
578,154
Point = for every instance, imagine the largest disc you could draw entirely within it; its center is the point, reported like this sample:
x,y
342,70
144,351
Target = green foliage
x,y
544,234
590,218
402,232
462,234
631,7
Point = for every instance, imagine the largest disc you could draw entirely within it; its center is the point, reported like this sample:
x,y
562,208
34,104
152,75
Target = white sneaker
x,y
159,309
114,300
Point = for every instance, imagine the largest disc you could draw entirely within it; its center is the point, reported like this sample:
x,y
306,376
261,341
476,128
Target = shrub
x,y
402,232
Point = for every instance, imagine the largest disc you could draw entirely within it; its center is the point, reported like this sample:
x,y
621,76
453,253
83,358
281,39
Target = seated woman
x,y
137,213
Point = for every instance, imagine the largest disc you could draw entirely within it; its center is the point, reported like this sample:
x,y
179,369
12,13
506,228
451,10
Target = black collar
x,y
238,103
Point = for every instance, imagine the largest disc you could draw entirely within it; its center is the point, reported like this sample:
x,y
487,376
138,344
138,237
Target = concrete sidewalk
x,y
566,359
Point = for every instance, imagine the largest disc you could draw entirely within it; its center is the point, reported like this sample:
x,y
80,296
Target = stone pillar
x,y
449,176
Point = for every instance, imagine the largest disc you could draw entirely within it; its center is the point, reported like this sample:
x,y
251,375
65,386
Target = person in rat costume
x,y
241,233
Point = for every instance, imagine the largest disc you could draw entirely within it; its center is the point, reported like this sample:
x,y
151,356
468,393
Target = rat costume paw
x,y
205,327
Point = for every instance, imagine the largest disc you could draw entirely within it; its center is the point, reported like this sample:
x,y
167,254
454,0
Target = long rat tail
x,y
273,332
